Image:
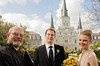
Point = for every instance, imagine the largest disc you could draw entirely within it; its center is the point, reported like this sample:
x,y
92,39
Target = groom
x,y
49,54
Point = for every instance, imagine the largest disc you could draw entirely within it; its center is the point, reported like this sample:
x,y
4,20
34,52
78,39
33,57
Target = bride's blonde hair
x,y
87,33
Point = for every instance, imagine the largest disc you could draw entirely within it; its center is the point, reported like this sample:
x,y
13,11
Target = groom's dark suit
x,y
42,57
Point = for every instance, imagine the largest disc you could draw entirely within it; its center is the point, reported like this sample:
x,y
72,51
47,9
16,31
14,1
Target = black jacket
x,y
41,58
10,57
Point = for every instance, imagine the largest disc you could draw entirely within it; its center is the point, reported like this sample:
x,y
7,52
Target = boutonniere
x,y
58,50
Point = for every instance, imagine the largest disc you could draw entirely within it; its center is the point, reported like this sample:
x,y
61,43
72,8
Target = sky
x,y
35,14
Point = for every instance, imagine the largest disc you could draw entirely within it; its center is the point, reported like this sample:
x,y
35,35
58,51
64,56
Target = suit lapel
x,y
55,52
45,53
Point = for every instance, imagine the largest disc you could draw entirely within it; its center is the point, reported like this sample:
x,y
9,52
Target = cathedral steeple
x,y
79,24
0,17
64,9
52,23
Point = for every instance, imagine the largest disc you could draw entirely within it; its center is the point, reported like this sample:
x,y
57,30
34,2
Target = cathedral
x,y
66,35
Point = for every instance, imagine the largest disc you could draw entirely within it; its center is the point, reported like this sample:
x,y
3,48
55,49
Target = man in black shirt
x,y
10,54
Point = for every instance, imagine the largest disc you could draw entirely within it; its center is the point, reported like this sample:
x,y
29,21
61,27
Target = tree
x,y
91,14
4,27
96,48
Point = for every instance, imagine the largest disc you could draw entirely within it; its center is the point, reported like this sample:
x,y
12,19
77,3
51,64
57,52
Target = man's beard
x,y
16,44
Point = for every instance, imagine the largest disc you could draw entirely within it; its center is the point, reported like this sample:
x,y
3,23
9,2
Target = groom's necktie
x,y
51,56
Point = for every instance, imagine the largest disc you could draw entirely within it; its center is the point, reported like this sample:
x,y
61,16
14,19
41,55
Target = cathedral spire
x,y
52,23
64,5
79,24
64,9
0,17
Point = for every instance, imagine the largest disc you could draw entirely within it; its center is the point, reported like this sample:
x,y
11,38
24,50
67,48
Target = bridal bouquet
x,y
70,62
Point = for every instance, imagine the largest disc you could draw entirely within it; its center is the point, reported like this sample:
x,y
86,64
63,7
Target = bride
x,y
87,56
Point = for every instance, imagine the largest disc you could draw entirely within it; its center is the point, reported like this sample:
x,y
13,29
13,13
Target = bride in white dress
x,y
87,56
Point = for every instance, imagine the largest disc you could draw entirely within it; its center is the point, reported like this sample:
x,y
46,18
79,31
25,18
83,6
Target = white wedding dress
x,y
85,56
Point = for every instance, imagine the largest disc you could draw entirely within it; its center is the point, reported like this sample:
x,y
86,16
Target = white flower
x,y
58,50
